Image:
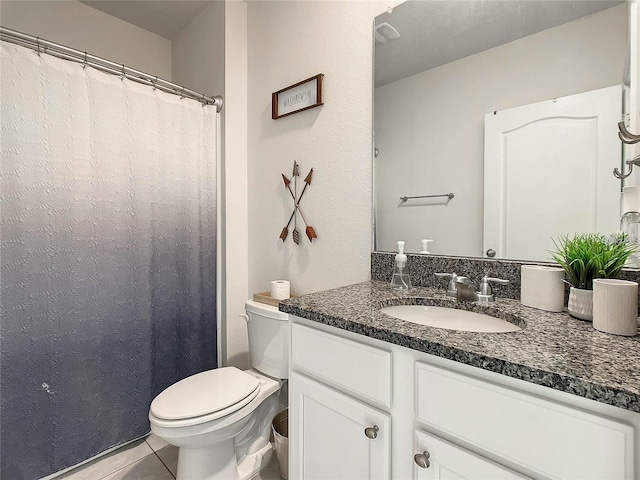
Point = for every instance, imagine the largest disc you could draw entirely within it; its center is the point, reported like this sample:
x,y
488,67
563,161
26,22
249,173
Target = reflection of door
x,y
548,172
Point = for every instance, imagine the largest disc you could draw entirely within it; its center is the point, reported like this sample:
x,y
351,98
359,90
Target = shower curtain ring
x,y
84,62
155,81
38,45
123,74
182,93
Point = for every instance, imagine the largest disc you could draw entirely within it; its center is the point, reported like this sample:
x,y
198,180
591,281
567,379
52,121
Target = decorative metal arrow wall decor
x,y
310,231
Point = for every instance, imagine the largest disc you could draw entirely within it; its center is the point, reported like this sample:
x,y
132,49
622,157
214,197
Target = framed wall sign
x,y
296,98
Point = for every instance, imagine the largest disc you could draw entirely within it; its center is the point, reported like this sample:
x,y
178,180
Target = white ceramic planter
x,y
615,306
581,303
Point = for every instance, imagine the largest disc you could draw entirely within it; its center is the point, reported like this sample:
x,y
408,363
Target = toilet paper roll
x,y
280,289
542,287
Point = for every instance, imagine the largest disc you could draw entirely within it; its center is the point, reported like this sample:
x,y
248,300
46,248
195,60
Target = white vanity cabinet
x,y
333,435
432,418
547,438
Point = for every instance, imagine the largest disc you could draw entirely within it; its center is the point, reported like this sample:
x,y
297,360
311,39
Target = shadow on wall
x,y
303,120
240,360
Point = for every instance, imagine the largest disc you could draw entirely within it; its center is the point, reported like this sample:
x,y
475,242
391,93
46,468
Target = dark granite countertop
x,y
553,349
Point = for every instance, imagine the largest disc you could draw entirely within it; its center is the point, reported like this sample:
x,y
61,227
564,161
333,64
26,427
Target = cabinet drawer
x,y
350,366
544,436
447,460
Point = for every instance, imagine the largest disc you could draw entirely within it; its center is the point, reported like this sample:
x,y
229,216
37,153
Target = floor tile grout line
x,y
164,464
129,464
155,449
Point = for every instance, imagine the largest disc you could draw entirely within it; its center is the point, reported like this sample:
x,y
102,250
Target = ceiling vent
x,y
385,32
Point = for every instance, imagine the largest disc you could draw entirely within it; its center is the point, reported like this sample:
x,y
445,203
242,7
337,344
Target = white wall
x,y
288,42
430,127
84,28
235,262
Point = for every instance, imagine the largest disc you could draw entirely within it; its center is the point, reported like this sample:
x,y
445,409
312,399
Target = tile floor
x,y
148,459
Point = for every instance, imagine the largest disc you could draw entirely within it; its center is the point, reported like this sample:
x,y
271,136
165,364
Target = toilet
x,y
221,419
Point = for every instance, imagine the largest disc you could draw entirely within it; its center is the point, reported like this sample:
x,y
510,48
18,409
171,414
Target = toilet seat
x,y
205,396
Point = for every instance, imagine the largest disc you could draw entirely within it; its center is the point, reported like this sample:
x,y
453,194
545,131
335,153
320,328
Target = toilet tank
x,y
268,339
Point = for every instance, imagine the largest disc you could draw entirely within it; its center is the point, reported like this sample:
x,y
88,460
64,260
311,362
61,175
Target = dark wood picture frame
x,y
276,96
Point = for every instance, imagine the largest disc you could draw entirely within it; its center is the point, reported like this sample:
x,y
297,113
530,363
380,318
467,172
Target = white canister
x,y
542,287
615,306
630,199
280,289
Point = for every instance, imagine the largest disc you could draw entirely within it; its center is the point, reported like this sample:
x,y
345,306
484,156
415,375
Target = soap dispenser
x,y
400,279
425,245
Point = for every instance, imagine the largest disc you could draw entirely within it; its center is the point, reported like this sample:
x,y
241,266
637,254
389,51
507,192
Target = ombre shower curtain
x,y
108,239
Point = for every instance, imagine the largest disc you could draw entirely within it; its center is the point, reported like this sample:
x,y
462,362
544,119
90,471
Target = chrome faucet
x,y
466,292
452,291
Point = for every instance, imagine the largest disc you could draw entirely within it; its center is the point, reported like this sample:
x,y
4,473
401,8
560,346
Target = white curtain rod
x,y
71,54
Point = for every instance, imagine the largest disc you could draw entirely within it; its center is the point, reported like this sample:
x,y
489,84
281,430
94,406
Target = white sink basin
x,y
450,319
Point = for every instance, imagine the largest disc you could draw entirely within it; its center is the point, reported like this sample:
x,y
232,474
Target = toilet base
x,y
207,464
252,464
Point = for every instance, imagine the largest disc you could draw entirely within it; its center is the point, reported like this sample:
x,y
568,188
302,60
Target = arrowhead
x,y
286,181
307,179
284,233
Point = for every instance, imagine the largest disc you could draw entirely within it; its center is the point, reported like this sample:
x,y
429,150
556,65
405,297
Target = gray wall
x,y
79,26
197,52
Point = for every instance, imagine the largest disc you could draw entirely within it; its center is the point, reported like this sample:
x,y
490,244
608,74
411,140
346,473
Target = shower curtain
x,y
107,248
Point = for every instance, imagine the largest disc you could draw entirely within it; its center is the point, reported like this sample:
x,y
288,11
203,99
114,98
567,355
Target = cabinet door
x,y
328,439
443,460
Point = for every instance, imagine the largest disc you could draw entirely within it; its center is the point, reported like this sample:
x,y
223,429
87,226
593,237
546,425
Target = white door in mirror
x,y
527,198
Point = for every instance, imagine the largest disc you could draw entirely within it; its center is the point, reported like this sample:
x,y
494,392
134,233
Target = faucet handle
x,y
485,286
445,275
451,287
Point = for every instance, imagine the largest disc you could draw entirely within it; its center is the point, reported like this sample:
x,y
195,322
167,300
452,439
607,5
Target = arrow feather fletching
x,y
311,233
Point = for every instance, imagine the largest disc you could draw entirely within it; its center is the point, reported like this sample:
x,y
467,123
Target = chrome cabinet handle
x,y
371,432
422,459
491,253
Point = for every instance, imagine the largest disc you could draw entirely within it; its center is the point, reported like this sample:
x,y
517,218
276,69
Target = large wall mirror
x,y
496,124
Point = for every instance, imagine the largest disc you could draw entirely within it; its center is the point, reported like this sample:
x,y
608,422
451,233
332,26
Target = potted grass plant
x,y
585,257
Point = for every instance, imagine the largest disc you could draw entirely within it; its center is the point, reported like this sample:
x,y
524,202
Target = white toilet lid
x,y
204,393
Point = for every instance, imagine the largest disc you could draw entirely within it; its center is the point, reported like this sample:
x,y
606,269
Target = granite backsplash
x,y
423,267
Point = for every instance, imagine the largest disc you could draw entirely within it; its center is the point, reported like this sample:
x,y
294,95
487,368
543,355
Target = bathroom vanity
x,y
372,396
